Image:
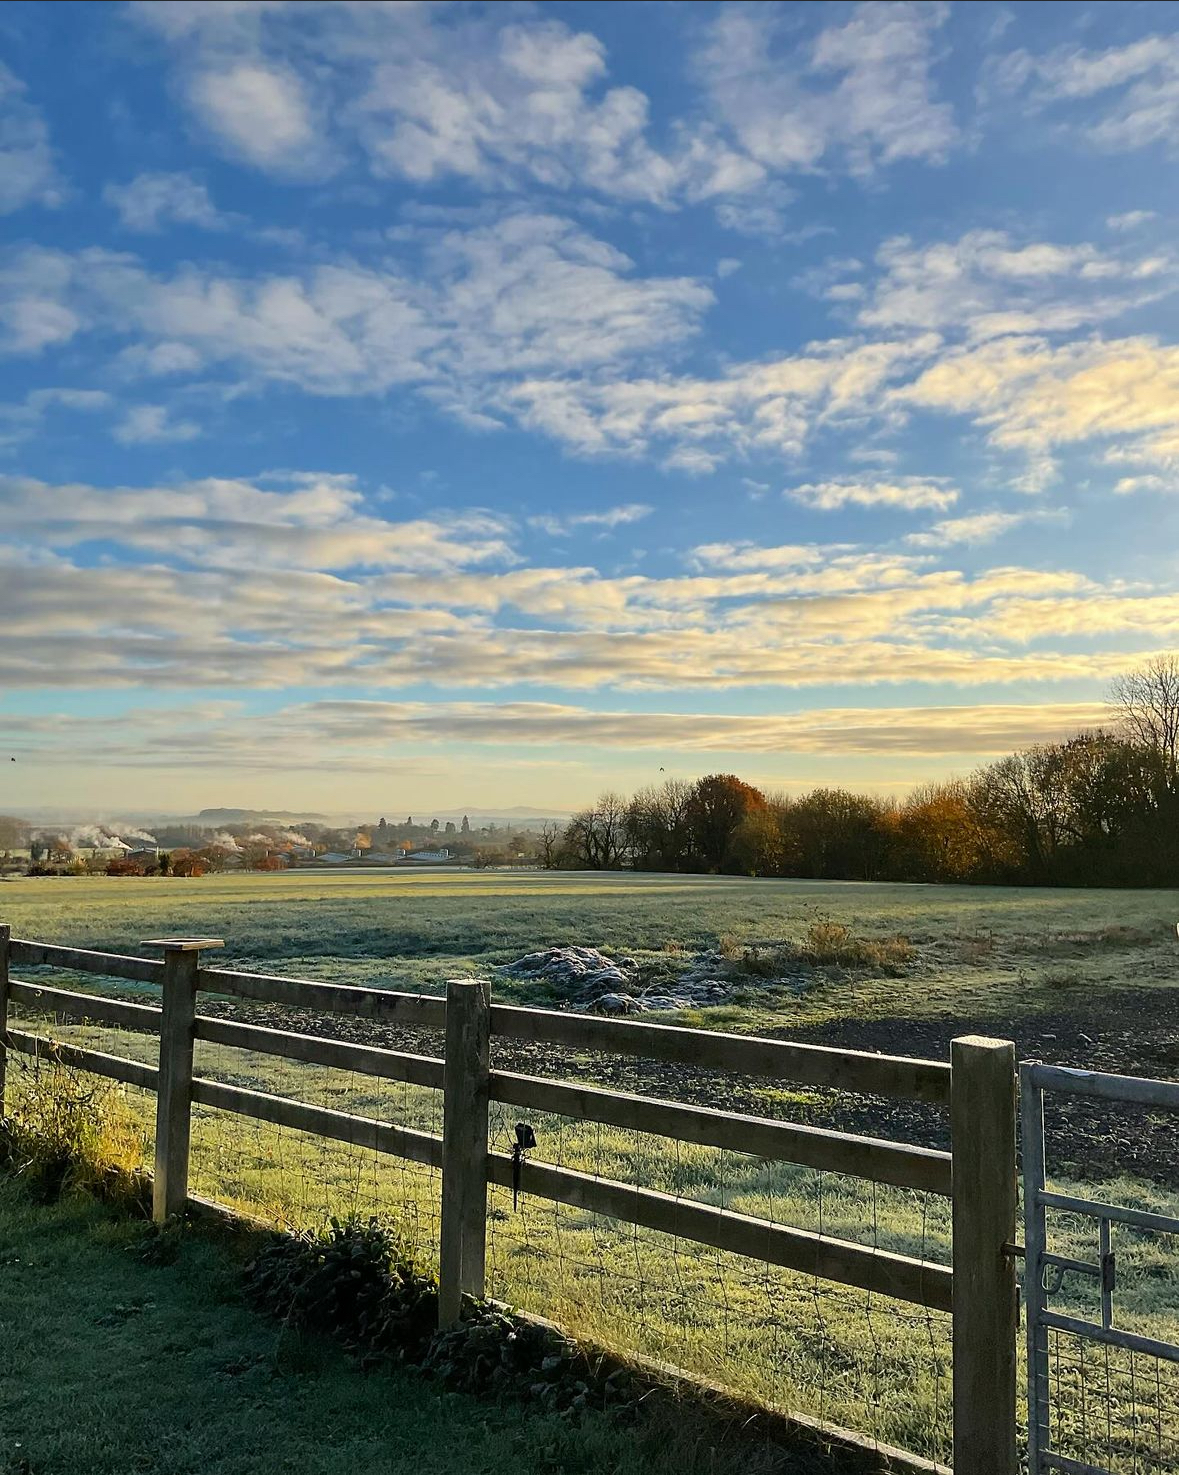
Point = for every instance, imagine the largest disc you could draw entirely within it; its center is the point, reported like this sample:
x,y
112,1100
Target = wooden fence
x,y
977,1087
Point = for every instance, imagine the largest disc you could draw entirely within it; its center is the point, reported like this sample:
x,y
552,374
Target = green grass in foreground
x,y
865,1363
109,1365
860,1362
786,1340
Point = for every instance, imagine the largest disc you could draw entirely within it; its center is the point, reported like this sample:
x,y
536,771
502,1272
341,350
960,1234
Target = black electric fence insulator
x,y
525,1140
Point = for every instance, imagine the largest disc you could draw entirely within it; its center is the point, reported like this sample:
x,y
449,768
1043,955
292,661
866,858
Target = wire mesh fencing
x,y
292,1125
1113,1409
1106,1394
295,1179
66,1108
848,1357
280,1175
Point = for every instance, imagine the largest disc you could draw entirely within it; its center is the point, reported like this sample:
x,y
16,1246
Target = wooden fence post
x,y
174,1086
5,938
464,1146
982,1126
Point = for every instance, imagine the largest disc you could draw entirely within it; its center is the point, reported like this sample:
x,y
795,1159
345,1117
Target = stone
x,y
618,1004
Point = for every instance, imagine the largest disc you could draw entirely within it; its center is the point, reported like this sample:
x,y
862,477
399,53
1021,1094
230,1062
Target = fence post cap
x,y
182,944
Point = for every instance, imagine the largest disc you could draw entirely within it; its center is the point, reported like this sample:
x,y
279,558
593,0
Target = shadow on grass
x,y
120,1351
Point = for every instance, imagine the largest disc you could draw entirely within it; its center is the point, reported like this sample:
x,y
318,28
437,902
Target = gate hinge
x,y
1013,1251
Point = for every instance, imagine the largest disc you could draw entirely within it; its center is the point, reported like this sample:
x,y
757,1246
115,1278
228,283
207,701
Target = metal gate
x,y
1102,1399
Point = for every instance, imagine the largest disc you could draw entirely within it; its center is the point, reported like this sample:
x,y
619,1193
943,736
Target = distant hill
x,y
519,816
519,811
215,817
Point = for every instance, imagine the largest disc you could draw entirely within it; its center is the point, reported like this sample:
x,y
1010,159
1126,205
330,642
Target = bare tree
x,y
596,838
1147,703
658,833
14,833
550,840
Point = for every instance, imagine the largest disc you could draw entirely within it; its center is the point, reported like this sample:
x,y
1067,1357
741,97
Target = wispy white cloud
x,y
1034,395
312,522
560,526
152,200
859,95
501,98
696,422
1130,92
153,425
364,734
261,113
229,584
980,527
1127,485
491,102
987,285
907,493
495,99
1130,219
527,293
529,319
23,419
28,173
34,311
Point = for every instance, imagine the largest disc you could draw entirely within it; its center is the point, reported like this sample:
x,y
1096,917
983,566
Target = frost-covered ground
x,y
983,952
1078,977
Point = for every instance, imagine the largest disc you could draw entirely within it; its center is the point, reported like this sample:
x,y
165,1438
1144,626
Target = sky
x,y
408,405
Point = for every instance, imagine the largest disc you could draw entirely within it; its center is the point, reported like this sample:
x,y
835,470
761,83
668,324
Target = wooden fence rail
x,y
977,1086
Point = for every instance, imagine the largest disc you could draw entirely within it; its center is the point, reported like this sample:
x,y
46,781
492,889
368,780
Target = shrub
x,y
68,1129
353,1280
493,1351
833,944
765,962
1061,979
824,945
979,948
759,960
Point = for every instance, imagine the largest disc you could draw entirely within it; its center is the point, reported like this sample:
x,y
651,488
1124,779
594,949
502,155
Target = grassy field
x,y
1083,977
110,1365
980,951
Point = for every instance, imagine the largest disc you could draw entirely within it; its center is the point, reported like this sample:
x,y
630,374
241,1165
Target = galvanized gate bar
x,y
1110,1336
1049,1461
1034,1080
1138,1090
1035,1235
1112,1213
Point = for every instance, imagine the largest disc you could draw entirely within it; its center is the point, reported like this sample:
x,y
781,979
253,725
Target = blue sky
x,y
408,405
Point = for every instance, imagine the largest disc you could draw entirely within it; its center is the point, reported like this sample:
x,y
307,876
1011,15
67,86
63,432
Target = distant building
x,y
112,848
426,857
336,858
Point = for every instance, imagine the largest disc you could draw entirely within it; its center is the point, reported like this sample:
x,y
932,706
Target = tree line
x,y
1100,808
